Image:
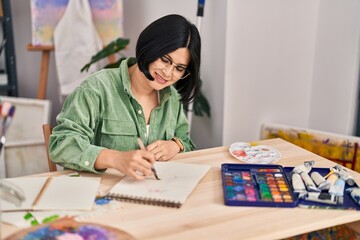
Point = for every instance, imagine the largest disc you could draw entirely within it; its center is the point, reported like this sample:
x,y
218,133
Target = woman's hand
x,y
163,150
135,163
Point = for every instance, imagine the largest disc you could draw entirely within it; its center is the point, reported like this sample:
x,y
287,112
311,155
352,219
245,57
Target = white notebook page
x,y
69,193
60,193
30,187
177,181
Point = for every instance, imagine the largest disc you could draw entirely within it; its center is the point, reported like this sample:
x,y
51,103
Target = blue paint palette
x,y
256,185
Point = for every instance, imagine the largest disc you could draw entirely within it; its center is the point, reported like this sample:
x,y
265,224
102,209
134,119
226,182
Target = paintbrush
x,y
142,146
7,113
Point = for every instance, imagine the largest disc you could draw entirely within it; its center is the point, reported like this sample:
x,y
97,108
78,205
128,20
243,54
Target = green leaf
x,y
28,215
115,64
201,106
50,218
110,49
33,222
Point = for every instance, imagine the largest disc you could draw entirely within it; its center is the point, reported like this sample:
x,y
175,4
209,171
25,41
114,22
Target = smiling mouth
x,y
160,79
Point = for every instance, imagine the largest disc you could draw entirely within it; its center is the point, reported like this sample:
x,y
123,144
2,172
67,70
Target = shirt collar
x,y
124,71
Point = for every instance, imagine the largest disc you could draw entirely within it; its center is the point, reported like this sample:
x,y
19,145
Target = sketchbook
x,y
54,193
177,181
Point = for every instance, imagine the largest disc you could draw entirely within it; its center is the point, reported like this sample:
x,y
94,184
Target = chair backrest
x,y
47,132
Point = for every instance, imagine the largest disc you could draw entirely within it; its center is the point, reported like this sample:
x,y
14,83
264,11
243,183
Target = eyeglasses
x,y
179,71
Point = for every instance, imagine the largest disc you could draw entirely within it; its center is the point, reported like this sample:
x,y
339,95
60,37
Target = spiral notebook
x,y
177,181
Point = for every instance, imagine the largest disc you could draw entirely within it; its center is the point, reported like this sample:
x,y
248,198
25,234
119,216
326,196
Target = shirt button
x,y
87,163
139,112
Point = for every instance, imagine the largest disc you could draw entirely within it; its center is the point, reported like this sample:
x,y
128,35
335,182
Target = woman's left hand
x,y
163,150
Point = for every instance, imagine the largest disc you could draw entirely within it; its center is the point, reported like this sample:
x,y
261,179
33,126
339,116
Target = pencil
x,y
142,146
46,184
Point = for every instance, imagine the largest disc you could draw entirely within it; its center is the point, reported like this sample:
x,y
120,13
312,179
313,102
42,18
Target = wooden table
x,y
204,215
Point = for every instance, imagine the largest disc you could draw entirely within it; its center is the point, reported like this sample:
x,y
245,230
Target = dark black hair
x,y
164,36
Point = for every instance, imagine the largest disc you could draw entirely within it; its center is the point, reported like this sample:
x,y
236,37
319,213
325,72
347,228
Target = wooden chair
x,y
47,132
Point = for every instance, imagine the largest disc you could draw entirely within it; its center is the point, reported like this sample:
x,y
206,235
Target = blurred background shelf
x,y
8,74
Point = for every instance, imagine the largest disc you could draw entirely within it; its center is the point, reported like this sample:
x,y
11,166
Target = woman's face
x,y
170,68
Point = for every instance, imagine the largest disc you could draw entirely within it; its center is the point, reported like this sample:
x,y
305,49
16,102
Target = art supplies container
x,y
256,185
347,202
266,185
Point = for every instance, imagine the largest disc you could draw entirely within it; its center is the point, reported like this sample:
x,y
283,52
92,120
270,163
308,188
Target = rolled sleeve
x,y
71,141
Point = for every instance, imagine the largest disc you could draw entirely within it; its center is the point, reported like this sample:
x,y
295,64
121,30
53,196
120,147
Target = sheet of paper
x,y
31,187
69,193
177,181
17,218
60,193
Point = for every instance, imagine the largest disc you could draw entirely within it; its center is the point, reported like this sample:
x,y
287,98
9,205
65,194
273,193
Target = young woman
x,y
100,122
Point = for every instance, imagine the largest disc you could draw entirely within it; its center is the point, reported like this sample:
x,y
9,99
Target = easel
x,y
44,67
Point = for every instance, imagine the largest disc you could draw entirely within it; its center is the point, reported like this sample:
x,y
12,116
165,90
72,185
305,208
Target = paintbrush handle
x,y
142,146
2,142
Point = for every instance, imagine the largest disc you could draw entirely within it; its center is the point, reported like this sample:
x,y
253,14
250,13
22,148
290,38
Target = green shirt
x,y
103,113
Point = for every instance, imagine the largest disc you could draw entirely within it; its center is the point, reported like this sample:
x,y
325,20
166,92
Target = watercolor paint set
x,y
256,185
269,185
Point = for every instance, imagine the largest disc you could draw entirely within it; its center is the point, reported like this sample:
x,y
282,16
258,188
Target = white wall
x,y
336,66
261,61
269,64
207,132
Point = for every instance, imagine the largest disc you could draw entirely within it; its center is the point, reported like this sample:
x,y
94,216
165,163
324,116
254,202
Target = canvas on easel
x,y
24,151
108,19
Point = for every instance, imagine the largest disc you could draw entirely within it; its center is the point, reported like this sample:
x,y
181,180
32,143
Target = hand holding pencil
x,y
134,163
142,146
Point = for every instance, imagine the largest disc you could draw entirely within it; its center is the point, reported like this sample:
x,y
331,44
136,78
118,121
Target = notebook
x,y
54,193
177,181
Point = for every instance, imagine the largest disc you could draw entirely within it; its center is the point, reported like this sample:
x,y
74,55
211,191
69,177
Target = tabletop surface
x,y
204,214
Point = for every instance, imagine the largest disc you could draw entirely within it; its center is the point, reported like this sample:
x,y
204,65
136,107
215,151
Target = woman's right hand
x,y
135,163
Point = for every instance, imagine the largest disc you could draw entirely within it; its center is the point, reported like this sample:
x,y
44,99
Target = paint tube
x,y
355,194
297,183
303,171
320,181
338,188
323,197
309,183
343,173
332,178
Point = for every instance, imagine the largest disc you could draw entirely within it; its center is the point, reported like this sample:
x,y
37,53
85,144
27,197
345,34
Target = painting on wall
x,y
45,14
338,148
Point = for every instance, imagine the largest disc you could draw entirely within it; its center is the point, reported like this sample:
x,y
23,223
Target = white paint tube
x,y
320,181
338,188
